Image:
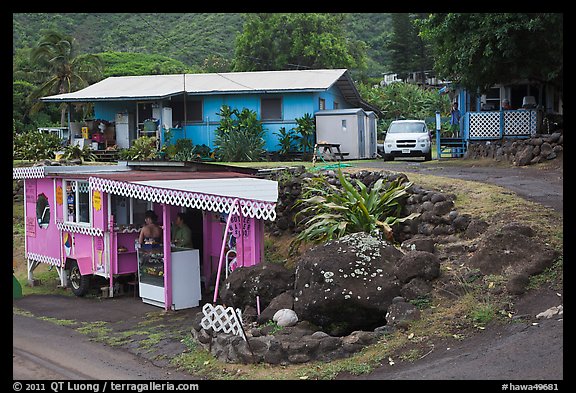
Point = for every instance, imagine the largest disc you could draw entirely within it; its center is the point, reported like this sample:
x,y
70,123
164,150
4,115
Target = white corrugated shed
x,y
159,86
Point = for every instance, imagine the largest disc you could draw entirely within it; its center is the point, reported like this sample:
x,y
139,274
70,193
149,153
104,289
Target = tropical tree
x,y
479,50
404,101
279,41
62,70
407,50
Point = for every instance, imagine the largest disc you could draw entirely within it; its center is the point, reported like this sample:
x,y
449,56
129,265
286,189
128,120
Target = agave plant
x,y
333,212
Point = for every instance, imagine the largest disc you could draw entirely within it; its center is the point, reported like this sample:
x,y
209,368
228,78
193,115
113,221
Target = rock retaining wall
x,y
520,152
438,215
289,345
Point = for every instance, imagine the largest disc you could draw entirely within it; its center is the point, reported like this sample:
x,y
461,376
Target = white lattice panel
x,y
484,125
519,123
215,203
79,228
82,186
43,259
32,172
220,318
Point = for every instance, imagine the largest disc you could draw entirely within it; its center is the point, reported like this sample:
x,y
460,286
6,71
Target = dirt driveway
x,y
531,349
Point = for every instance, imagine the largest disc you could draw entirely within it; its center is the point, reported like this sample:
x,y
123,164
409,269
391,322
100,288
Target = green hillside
x,y
187,37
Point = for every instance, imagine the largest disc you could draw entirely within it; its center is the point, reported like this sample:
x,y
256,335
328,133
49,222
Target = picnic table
x,y
330,149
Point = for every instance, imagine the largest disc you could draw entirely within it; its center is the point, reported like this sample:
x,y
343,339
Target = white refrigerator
x,y
185,266
125,129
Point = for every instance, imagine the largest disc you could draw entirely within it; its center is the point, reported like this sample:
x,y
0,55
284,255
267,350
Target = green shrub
x,y
144,149
35,145
240,135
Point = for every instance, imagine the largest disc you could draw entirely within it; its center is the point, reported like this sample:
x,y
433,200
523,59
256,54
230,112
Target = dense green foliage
x,y
143,148
128,64
34,145
271,41
75,152
405,101
483,49
187,37
204,40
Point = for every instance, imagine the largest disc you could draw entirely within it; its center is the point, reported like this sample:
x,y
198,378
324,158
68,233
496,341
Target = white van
x,y
408,138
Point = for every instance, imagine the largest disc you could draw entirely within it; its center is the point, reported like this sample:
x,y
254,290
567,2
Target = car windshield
x,y
402,128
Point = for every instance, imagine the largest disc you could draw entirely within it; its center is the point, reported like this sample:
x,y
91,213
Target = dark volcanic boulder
x,y
266,280
347,284
512,249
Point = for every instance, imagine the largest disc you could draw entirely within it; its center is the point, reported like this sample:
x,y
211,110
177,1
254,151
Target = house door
x,y
361,138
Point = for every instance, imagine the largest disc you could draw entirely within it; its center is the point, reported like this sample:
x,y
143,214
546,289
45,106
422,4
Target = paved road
x,y
46,351
533,183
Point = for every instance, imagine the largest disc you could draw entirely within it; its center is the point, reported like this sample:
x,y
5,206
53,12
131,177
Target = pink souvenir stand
x,y
85,221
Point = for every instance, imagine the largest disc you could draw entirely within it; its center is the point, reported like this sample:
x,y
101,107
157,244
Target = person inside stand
x,y
182,234
151,232
455,120
506,105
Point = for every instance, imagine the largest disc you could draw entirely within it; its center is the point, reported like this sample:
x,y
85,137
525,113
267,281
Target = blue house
x,y
187,105
485,117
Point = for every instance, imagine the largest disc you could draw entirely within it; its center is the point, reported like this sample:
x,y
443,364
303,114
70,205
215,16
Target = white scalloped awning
x,y
215,190
256,197
243,188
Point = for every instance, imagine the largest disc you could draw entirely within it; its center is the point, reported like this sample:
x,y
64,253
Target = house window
x,y
322,104
194,111
42,211
491,100
336,105
271,108
77,201
144,111
128,210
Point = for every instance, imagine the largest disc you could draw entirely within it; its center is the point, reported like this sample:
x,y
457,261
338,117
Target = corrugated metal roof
x,y
160,86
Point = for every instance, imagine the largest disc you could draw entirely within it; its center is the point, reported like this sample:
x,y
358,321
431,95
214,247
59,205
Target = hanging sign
x,y
30,226
240,227
59,195
98,243
30,191
97,200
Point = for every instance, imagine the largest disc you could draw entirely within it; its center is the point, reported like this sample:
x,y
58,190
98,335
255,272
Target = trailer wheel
x,y
80,284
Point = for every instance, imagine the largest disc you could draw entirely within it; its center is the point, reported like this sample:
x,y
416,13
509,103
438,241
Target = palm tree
x,y
63,71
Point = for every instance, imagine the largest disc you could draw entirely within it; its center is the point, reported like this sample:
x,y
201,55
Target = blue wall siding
x,y
108,110
294,105
331,96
